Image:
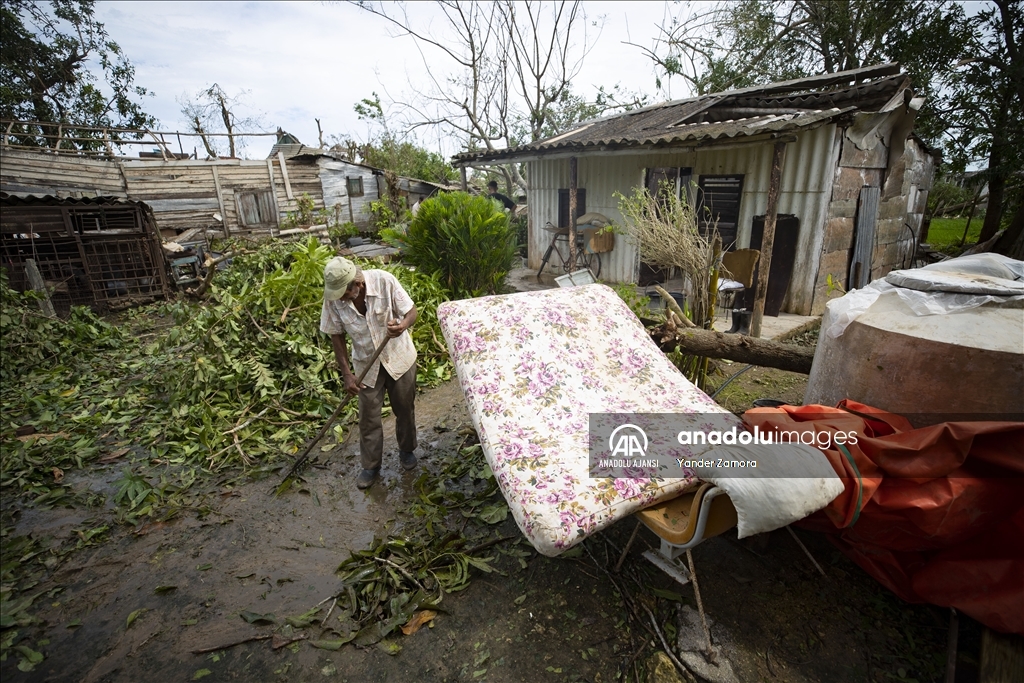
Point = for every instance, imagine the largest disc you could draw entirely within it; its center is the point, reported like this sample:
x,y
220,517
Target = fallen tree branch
x,y
211,267
736,347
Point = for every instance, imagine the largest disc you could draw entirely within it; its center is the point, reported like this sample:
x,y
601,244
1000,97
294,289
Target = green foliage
x,y
45,74
388,151
240,380
28,339
949,194
637,302
466,241
521,226
385,217
306,214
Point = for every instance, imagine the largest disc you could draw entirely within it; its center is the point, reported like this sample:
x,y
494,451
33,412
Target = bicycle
x,y
585,259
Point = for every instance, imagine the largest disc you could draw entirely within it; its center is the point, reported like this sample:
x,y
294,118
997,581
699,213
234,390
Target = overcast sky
x,y
306,60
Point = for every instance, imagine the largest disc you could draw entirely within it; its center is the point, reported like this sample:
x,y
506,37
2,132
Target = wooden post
x,y
465,183
273,195
36,280
163,151
106,143
768,240
220,201
284,174
572,213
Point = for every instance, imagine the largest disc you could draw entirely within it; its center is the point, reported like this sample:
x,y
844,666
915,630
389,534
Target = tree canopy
x,y
511,65
45,53
968,67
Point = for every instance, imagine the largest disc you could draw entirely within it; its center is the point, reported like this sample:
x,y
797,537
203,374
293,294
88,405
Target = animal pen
x,y
102,252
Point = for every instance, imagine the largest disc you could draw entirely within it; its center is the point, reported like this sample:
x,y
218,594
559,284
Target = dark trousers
x,y
402,392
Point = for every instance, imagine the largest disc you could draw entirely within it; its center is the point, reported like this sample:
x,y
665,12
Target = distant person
x,y
492,190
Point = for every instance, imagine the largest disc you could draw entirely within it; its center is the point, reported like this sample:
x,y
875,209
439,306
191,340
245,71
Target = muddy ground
x,y
102,617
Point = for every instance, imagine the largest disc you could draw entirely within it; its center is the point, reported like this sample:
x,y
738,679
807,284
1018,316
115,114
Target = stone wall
x,y
904,184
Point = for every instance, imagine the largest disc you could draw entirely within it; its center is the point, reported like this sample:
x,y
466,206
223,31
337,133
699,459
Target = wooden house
x,y
853,187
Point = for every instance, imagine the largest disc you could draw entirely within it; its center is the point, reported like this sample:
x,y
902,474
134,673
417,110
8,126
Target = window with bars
x,y
718,201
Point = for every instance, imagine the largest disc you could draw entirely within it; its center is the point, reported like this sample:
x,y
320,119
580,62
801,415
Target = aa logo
x,y
628,441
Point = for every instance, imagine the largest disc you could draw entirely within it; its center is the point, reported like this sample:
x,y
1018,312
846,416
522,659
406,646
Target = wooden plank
x,y
284,174
572,212
1002,657
864,238
768,240
220,202
273,195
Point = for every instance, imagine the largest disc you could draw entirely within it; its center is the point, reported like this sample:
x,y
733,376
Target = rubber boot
x,y
742,319
735,321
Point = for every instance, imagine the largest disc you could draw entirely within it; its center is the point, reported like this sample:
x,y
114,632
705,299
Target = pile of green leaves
x,y
464,240
243,378
386,584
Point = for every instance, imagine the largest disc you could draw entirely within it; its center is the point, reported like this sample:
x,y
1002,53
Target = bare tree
x,y
512,67
213,111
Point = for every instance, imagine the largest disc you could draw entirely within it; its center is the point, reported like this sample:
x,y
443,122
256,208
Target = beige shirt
x,y
385,300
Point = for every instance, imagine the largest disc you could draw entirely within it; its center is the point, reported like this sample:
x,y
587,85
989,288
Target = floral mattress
x,y
533,367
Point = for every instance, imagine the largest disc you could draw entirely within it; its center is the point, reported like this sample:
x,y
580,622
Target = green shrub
x,y
465,240
521,227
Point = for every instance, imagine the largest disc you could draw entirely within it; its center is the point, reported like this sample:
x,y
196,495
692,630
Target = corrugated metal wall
x,y
806,184
334,175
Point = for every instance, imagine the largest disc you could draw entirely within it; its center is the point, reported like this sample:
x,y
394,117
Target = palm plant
x,y
466,240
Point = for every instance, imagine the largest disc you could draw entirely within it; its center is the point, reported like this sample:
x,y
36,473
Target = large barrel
x,y
967,364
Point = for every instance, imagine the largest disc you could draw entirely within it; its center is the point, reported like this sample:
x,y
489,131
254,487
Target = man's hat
x,y
338,275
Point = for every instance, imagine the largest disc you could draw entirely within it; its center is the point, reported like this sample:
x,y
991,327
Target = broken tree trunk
x,y
36,280
736,347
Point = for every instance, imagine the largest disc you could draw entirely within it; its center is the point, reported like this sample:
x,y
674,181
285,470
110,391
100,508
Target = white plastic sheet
x,y
938,289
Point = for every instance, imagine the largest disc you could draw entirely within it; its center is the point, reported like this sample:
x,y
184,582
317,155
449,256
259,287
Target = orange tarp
x,y
935,514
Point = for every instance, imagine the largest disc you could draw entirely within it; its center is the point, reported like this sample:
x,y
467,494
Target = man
x,y
492,189
371,307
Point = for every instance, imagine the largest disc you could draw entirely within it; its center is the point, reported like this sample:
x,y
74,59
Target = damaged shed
x,y
102,252
854,181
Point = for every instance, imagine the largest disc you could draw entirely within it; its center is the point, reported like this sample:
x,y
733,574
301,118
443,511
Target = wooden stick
x,y
335,414
806,551
331,609
710,652
768,239
488,544
204,650
403,572
36,280
951,645
629,544
672,655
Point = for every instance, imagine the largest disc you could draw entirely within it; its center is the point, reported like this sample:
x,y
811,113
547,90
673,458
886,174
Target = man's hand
x,y
395,328
350,384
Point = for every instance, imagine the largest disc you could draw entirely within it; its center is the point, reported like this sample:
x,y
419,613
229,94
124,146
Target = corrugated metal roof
x,y
787,106
25,199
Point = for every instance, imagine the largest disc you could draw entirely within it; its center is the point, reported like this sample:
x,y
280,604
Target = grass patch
x,y
945,233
